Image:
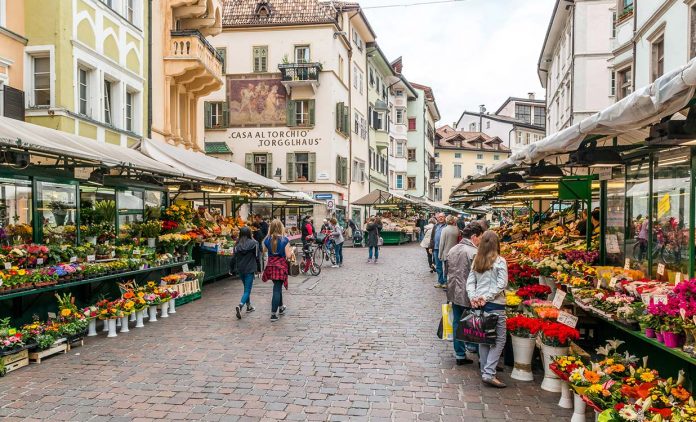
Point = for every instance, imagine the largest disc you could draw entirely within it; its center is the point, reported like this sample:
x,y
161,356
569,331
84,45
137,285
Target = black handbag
x,y
477,326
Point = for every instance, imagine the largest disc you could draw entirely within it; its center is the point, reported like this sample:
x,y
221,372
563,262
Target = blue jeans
x,y
277,300
439,267
248,280
376,249
460,347
338,248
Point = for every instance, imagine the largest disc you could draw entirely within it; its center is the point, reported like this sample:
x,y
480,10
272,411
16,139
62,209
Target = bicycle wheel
x,y
332,256
318,257
303,266
315,269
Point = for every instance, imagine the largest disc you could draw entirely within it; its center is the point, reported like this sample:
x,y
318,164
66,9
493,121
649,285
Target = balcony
x,y
203,15
300,75
193,62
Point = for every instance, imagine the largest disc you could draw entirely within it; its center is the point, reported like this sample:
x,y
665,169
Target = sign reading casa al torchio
x,y
275,138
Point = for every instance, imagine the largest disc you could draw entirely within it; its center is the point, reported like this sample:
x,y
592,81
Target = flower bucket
x,y
153,313
579,408
92,328
139,319
112,328
164,308
566,400
551,381
523,350
124,324
151,242
172,306
671,340
132,317
660,337
650,332
91,239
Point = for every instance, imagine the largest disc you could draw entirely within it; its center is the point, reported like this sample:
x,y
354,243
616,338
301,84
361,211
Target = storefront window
x,y
671,184
97,213
154,203
616,229
57,208
637,191
130,209
15,212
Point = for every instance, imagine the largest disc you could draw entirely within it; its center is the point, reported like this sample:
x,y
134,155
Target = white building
x,y
403,93
573,64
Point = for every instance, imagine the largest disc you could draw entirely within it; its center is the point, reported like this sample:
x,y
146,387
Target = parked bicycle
x,y
309,264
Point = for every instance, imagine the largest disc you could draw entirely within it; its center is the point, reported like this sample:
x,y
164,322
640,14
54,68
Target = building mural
x,y
255,101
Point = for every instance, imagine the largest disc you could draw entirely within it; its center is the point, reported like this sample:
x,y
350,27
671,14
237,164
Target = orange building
x,y
12,42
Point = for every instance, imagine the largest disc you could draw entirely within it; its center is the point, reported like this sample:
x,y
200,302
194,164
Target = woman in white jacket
x,y
428,229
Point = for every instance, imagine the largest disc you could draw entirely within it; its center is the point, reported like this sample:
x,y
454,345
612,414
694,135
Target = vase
x,y
92,328
172,306
153,313
671,339
106,325
566,401
660,337
650,333
118,322
164,308
124,324
523,350
91,239
551,381
112,328
579,408
151,242
132,317
139,319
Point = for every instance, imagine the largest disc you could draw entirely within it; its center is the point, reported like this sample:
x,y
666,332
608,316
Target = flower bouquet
x,y
531,291
555,334
11,340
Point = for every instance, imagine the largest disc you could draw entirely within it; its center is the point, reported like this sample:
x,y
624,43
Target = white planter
x,y
523,349
139,319
153,313
172,306
112,328
124,324
164,308
579,408
566,400
91,239
118,322
132,317
106,325
551,381
92,328
151,242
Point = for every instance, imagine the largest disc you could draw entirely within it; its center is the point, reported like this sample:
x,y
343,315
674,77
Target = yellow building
x,y
12,42
185,67
459,154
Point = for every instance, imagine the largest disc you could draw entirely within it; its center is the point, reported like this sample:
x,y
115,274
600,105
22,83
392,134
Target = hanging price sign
x,y
677,278
627,264
184,268
661,269
558,299
567,319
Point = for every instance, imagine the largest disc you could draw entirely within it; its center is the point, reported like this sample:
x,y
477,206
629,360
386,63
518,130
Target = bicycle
x,y
308,264
327,247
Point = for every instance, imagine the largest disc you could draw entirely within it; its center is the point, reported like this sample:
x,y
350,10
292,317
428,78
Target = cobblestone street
x,y
357,343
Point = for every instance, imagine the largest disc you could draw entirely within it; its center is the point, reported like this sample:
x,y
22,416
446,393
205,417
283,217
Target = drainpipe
x,y
635,28
149,69
510,137
572,62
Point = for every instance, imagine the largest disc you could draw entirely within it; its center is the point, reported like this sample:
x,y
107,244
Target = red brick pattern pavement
x,y
358,343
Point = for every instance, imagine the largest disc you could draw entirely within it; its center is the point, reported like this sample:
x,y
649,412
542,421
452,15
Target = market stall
x,y
398,214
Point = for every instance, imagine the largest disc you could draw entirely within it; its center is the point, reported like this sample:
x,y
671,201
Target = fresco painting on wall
x,y
256,101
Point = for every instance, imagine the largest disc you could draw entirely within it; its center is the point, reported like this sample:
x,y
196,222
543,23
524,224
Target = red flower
x,y
559,334
538,291
523,326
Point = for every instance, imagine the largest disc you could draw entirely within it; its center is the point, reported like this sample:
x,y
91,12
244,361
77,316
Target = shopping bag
x,y
477,326
380,241
446,322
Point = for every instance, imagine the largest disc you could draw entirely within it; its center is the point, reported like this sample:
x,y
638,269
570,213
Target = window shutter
x,y
339,175
312,166
346,120
249,161
311,112
344,170
269,166
207,115
13,102
290,114
225,114
290,161
264,59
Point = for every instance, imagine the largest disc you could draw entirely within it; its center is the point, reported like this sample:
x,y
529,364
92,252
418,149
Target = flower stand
x,y
579,408
551,381
118,322
124,324
172,306
92,328
566,401
56,348
153,313
164,308
139,319
16,360
523,350
112,328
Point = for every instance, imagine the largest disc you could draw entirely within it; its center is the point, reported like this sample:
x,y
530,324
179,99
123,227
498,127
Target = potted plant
x,y
523,331
59,210
555,341
151,230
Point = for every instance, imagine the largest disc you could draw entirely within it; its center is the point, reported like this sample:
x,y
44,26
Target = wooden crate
x,y
37,356
15,361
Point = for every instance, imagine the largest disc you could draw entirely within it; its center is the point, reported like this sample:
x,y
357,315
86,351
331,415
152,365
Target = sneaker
x,y
238,311
250,309
369,261
274,318
334,266
494,382
437,285
282,310
465,361
375,261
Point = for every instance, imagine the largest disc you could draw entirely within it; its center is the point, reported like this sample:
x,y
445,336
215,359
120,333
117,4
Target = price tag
x,y
661,269
90,258
627,264
567,319
612,282
136,252
645,297
51,315
8,265
660,298
599,283
73,259
113,254
39,261
558,299
677,278
184,268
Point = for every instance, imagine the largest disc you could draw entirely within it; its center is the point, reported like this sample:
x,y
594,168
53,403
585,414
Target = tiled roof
x,y
280,12
217,148
450,138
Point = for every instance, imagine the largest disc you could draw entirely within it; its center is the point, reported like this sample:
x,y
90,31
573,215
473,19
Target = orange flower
x,y
615,368
592,377
680,393
128,295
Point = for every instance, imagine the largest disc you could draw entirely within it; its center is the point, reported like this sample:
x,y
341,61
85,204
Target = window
x,y
355,78
400,148
356,123
358,171
399,93
624,81
302,54
342,119
107,101
437,194
523,112
399,116
222,52
399,181
479,168
627,5
341,170
457,171
107,2
496,157
357,40
216,115
612,89
411,154
300,113
658,57
411,182
437,155
479,156
42,81
692,31
411,123
130,11
472,127
57,207
456,155
360,82
613,24
301,166
82,91
371,76
488,124
363,128
540,116
260,163
260,54
129,111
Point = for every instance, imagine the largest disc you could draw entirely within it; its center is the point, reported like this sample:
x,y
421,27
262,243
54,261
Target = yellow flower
x,y
141,294
647,377
65,312
11,331
22,272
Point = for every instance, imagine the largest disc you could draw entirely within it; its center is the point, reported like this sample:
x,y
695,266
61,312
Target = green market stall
x,y
379,201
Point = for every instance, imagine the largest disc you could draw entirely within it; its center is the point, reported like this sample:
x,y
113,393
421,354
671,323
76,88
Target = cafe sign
x,y
276,137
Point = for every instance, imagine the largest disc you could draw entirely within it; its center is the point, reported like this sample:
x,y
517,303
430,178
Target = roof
x,y
373,51
280,12
430,97
397,65
449,138
520,100
217,148
504,119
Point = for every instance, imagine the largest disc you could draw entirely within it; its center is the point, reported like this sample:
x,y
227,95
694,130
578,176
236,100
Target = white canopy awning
x,y
667,95
297,195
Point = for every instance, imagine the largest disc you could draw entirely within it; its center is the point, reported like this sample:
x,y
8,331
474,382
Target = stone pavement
x,y
358,343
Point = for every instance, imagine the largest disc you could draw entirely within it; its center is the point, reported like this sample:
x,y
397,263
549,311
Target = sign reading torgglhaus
x,y
276,138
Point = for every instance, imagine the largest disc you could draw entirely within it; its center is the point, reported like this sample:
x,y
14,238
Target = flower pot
x,y
671,340
164,308
105,327
579,408
139,319
132,317
124,324
92,328
566,401
660,336
112,328
151,242
551,381
523,350
91,239
153,313
172,306
649,333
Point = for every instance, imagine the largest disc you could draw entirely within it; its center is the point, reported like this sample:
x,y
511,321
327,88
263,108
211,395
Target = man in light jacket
x,y
459,259
425,243
448,238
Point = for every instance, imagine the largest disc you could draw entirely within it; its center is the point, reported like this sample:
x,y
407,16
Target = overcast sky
x,y
470,52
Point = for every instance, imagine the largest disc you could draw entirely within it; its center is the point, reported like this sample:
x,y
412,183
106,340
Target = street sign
x,y
330,204
323,196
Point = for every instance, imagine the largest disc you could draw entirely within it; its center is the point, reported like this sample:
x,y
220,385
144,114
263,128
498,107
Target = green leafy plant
x,y
106,209
151,229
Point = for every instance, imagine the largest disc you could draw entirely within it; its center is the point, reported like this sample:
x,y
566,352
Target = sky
x,y
470,52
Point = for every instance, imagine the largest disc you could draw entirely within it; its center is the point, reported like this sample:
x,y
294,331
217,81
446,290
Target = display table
x,y
395,237
213,264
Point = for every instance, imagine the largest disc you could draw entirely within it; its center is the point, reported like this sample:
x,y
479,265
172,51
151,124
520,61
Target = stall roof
x,y
37,138
298,196
380,197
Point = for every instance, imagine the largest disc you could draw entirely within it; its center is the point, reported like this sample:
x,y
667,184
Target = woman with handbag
x,y
279,251
244,259
374,241
485,286
338,239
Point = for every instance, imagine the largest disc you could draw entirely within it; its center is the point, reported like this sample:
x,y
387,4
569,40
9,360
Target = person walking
x,y
485,286
373,229
448,238
421,223
434,247
425,243
459,261
245,252
279,251
338,239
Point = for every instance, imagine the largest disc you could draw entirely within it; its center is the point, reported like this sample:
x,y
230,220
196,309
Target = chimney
x,y
531,95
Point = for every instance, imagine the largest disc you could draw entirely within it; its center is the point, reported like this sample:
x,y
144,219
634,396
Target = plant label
x,y
677,278
113,254
185,268
90,258
660,298
51,315
599,283
73,259
8,265
661,269
627,264
567,319
136,252
39,261
558,299
645,297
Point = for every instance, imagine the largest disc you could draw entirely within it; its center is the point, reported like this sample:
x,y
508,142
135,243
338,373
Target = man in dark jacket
x,y
434,247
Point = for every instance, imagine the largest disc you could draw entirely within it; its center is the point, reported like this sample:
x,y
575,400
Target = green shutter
x,y
344,170
249,161
338,170
290,174
269,166
290,114
264,59
312,166
207,115
311,112
346,121
225,115
339,119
